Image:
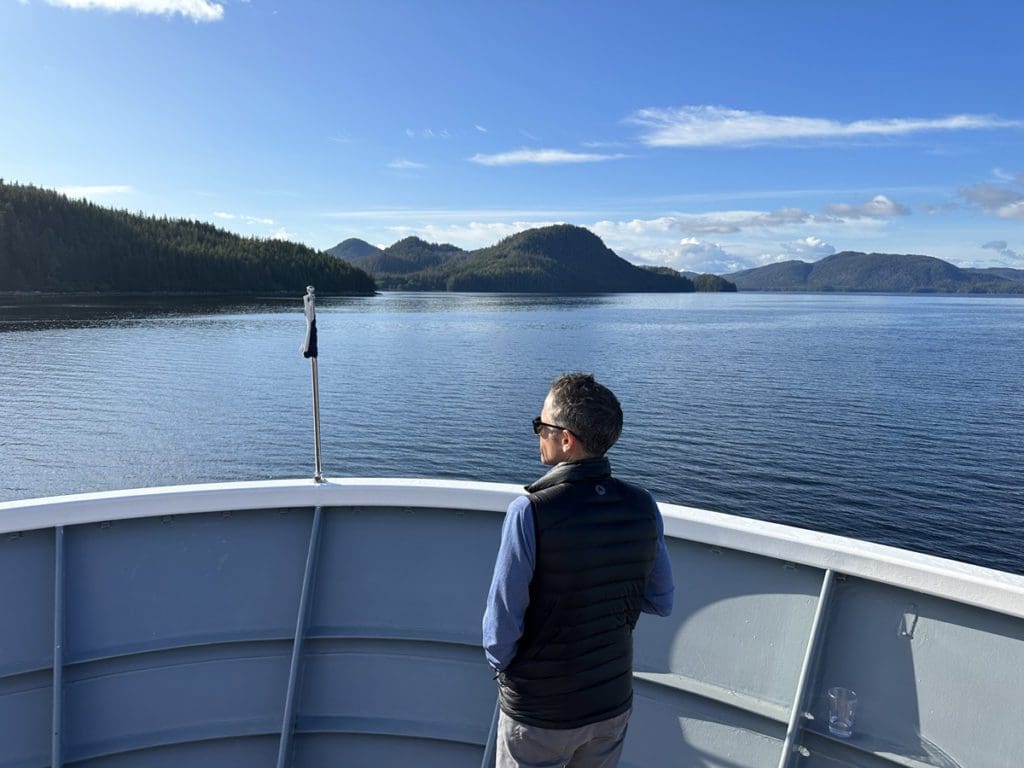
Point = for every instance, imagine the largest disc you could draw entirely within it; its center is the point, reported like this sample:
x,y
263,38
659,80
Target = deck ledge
x,y
949,579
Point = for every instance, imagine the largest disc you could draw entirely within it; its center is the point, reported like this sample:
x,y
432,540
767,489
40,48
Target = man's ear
x,y
570,445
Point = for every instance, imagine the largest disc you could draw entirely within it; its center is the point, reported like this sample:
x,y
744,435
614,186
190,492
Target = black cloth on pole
x,y
309,348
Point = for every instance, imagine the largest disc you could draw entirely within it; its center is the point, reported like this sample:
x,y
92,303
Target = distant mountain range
x,y
851,271
556,259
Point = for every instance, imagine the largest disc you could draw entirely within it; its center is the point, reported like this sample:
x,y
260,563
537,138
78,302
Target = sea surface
x,y
896,419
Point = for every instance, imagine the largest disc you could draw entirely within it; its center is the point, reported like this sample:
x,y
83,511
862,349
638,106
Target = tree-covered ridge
x,y
703,283
51,243
556,259
412,254
851,271
354,251
1008,273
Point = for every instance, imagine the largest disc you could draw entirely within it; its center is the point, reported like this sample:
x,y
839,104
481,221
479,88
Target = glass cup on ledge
x,y
842,709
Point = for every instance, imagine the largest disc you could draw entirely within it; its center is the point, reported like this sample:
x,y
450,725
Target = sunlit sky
x,y
708,136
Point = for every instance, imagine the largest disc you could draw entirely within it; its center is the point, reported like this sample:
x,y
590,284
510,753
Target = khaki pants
x,y
598,745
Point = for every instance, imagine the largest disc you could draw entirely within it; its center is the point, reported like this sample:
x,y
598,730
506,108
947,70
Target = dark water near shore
x,y
891,418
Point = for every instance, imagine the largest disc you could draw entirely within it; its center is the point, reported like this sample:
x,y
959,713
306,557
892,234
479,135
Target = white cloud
x,y
470,236
100,190
697,255
708,126
405,165
242,217
283,234
809,248
480,128
690,254
878,207
197,10
541,157
1012,211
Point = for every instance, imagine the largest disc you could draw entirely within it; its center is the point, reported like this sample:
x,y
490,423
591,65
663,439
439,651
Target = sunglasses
x,y
538,425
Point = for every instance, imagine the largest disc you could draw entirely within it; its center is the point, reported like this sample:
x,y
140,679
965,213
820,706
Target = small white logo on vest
x,y
599,489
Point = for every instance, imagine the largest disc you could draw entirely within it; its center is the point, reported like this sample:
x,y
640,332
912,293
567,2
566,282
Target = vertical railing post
x,y
799,698
56,756
308,578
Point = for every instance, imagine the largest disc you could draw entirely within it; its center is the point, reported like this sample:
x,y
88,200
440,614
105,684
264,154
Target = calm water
x,y
891,418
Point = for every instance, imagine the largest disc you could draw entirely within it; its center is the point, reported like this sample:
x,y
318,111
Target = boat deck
x,y
298,624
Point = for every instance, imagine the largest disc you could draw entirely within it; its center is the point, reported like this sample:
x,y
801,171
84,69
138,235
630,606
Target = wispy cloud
x,y
405,165
526,156
1004,200
480,128
731,222
878,207
427,133
1003,248
727,222
197,10
242,217
460,214
708,126
99,190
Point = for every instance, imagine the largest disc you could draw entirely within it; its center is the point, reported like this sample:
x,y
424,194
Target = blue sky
x,y
707,136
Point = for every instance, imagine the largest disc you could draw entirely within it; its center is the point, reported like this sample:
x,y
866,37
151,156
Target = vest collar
x,y
572,472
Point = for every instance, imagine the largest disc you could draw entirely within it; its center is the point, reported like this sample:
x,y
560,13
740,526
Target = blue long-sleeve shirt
x,y
513,570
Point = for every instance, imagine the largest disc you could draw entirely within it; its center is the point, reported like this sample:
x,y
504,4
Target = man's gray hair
x,y
587,409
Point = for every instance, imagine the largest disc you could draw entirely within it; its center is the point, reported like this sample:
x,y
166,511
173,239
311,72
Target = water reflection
x,y
31,312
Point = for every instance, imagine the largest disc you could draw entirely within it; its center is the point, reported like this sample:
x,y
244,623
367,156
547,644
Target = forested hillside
x,y
51,243
876,272
354,251
556,259
411,254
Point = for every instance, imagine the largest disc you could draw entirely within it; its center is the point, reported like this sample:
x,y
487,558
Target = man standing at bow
x,y
580,558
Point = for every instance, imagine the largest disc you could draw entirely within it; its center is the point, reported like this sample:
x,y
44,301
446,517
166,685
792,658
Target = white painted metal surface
x,y
963,582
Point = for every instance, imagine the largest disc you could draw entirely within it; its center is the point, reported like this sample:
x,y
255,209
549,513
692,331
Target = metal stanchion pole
x,y
309,351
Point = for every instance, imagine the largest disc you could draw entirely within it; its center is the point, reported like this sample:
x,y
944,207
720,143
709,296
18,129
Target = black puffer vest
x,y
596,543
